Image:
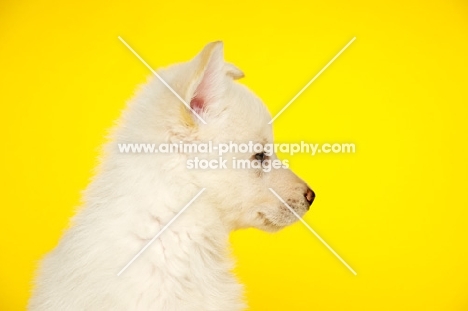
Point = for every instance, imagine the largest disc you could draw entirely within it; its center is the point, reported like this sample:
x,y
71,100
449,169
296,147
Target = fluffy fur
x,y
134,195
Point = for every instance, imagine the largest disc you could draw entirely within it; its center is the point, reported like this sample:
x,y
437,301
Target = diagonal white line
x,y
313,79
313,231
160,232
161,79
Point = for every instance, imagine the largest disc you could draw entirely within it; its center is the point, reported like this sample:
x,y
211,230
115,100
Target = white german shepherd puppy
x,y
133,196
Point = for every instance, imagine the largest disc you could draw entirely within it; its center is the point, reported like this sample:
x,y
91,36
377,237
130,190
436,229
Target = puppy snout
x,y
309,196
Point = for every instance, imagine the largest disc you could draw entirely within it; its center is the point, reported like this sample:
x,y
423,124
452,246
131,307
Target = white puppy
x,y
133,196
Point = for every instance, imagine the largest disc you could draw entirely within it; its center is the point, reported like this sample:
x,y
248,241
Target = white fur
x,y
134,195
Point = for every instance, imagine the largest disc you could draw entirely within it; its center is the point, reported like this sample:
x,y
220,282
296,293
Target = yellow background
x,y
396,210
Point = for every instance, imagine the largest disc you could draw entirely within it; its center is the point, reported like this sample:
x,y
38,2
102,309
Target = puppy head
x,y
223,111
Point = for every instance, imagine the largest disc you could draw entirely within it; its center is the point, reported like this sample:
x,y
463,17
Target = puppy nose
x,y
310,196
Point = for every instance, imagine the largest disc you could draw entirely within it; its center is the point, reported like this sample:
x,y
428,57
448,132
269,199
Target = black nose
x,y
309,196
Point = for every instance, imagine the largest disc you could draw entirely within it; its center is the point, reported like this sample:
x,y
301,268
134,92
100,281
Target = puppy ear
x,y
208,82
232,71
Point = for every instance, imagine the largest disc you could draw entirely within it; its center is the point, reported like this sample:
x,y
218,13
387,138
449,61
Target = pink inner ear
x,y
197,104
205,91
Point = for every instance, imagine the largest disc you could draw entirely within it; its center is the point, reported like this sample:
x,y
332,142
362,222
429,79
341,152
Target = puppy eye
x,y
260,156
